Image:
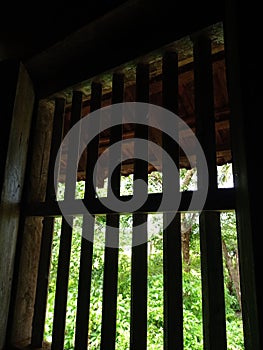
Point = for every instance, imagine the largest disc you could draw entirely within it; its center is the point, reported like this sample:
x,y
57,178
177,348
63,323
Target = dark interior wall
x,y
31,29
133,29
7,91
106,34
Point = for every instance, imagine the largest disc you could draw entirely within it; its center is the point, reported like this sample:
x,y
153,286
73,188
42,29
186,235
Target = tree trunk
x,y
233,272
186,248
186,224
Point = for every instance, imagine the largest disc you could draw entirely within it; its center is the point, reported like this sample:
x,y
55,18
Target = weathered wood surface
x,y
43,257
32,232
19,118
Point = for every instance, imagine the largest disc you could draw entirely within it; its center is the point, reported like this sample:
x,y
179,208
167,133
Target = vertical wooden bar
x,y
47,232
173,304
110,283
59,320
84,286
245,101
204,107
60,310
213,302
58,127
172,269
138,337
93,147
73,149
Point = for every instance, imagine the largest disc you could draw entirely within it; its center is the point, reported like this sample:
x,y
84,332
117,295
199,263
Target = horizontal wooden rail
x,y
220,200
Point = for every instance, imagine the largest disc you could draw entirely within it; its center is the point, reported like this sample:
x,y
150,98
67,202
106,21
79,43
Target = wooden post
x,y
242,65
173,304
138,337
48,223
30,231
213,301
59,320
16,107
83,306
110,282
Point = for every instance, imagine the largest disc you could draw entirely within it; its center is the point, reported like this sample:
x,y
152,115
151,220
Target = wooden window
x,y
187,78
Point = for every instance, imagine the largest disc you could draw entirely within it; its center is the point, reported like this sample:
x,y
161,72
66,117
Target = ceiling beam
x,y
130,30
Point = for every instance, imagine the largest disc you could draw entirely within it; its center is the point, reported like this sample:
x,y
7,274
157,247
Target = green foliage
x,y
192,293
225,175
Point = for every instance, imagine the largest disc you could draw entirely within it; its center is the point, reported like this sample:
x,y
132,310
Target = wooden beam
x,y
30,232
138,325
213,302
245,102
110,278
173,304
59,320
65,63
84,286
16,108
47,232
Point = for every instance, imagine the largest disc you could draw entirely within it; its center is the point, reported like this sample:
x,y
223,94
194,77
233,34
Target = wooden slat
x,y
58,127
245,102
170,81
73,149
138,332
117,90
138,336
59,320
42,283
84,286
47,232
173,306
213,302
93,146
110,282
172,269
204,107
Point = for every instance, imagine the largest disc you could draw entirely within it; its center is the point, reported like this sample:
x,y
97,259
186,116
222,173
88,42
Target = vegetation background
x,y
192,289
